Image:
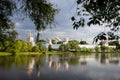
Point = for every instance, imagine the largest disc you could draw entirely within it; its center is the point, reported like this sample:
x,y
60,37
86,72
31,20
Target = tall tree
x,y
41,12
7,32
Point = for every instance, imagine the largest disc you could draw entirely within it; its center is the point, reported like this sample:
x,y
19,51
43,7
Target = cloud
x,y
63,24
17,24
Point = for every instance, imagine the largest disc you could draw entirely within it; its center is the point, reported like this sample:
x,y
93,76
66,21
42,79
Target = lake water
x,y
61,67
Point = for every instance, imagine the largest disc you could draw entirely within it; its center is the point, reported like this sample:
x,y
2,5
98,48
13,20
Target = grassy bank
x,y
5,54
33,53
51,52
58,52
21,53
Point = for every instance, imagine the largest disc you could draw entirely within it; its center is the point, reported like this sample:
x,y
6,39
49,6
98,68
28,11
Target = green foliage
x,y
83,42
7,31
35,49
99,12
84,49
104,48
42,49
25,46
113,43
53,41
97,49
62,47
21,46
59,42
16,47
41,12
41,42
41,46
70,46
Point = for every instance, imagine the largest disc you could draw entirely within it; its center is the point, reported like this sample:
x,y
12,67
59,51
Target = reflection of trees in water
x,y
83,61
39,60
63,61
108,58
17,61
34,64
60,61
53,62
73,60
6,62
103,58
21,60
97,57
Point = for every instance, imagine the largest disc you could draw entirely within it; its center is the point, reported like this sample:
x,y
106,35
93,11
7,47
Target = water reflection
x,y
37,67
109,58
30,67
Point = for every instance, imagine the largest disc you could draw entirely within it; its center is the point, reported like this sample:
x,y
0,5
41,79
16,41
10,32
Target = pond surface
x,y
61,67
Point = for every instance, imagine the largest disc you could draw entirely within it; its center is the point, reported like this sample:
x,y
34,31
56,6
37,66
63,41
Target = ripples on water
x,y
61,67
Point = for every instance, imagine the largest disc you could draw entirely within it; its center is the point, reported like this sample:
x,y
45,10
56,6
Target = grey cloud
x,y
63,25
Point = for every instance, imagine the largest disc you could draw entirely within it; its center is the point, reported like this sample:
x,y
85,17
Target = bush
x,y
104,48
35,49
18,46
97,49
62,48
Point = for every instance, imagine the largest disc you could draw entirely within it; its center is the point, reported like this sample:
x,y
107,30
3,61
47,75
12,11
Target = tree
x,y
83,42
41,12
35,49
7,31
106,36
62,47
72,45
113,43
60,42
98,12
53,41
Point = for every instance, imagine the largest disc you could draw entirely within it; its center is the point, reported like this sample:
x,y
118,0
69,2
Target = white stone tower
x,y
30,38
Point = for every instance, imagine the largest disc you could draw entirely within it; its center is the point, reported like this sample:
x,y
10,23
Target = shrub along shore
x,y
52,53
20,47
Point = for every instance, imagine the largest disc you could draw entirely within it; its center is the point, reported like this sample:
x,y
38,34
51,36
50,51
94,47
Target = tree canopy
x,y
99,12
41,12
83,42
7,32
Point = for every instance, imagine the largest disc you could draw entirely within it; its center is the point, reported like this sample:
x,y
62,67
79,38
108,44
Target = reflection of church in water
x,y
54,62
31,67
64,62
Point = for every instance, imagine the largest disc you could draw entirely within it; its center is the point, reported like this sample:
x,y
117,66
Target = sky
x,y
63,25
